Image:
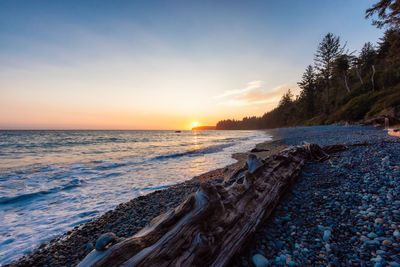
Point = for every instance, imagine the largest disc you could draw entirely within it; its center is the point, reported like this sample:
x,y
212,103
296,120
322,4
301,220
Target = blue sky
x,y
160,64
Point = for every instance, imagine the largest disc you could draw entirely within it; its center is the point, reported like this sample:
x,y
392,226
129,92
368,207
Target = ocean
x,y
53,180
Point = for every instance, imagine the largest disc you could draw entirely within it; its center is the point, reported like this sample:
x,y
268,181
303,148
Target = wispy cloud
x,y
256,94
250,86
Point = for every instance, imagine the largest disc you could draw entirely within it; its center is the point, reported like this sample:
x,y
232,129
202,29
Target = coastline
x,y
128,218
342,211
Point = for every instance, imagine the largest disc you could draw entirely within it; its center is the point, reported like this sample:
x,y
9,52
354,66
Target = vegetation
x,y
342,86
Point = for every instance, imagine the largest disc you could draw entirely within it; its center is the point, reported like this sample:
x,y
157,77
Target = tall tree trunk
x,y
359,75
345,83
372,77
327,94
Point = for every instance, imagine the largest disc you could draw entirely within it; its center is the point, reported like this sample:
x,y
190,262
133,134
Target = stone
x,y
371,243
380,252
104,240
259,260
327,248
372,235
396,234
89,247
327,235
387,243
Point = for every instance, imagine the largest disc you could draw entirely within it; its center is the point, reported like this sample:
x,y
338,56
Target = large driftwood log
x,y
213,224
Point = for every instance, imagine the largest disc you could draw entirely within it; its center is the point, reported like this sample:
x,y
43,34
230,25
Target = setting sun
x,y
195,124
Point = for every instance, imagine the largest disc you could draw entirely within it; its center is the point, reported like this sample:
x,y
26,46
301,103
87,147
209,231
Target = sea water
x,y
51,181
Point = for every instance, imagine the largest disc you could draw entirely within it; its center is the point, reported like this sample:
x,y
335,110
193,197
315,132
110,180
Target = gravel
x,y
341,212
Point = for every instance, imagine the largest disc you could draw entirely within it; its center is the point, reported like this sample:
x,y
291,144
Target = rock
x,y
396,234
371,243
327,248
89,247
104,240
380,252
259,260
372,235
387,243
377,259
327,235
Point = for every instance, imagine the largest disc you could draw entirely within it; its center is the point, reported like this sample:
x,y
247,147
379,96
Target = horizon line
x,y
46,129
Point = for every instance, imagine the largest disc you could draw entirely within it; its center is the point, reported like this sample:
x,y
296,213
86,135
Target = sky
x,y
160,64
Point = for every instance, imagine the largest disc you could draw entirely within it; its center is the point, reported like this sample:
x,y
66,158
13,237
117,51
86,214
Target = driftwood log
x,y
215,222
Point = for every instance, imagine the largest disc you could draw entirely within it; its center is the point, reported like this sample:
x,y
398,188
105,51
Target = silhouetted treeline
x,y
341,85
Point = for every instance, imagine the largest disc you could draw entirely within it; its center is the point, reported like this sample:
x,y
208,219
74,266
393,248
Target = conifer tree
x,y
329,49
307,84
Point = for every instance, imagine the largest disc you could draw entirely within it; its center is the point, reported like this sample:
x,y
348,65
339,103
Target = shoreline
x,y
129,217
345,210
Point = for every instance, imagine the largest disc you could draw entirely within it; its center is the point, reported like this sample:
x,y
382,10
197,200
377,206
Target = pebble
x,y
259,260
372,235
327,235
396,234
104,240
387,243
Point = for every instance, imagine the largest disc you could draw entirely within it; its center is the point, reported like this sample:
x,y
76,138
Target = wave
x,y
156,187
110,165
236,139
195,152
25,197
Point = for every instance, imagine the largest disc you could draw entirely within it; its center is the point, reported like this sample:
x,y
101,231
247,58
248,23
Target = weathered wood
x,y
213,224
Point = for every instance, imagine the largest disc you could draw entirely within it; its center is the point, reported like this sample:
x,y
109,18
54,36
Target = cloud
x,y
250,86
255,94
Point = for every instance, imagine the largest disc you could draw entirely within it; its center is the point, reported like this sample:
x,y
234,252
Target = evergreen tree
x,y
367,55
329,49
307,84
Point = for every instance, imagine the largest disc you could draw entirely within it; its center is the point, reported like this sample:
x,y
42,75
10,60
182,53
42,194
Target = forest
x,y
341,85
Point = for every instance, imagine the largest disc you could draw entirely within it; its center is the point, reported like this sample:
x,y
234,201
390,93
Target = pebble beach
x,y
341,212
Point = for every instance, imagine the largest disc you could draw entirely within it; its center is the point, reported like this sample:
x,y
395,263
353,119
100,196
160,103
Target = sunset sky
x,y
160,64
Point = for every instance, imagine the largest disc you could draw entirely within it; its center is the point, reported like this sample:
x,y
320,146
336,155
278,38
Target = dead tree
x,y
372,77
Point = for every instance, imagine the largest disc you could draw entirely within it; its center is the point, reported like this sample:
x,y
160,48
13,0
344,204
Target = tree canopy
x,y
388,12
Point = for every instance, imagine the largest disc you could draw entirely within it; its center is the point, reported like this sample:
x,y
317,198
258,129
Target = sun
x,y
195,124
